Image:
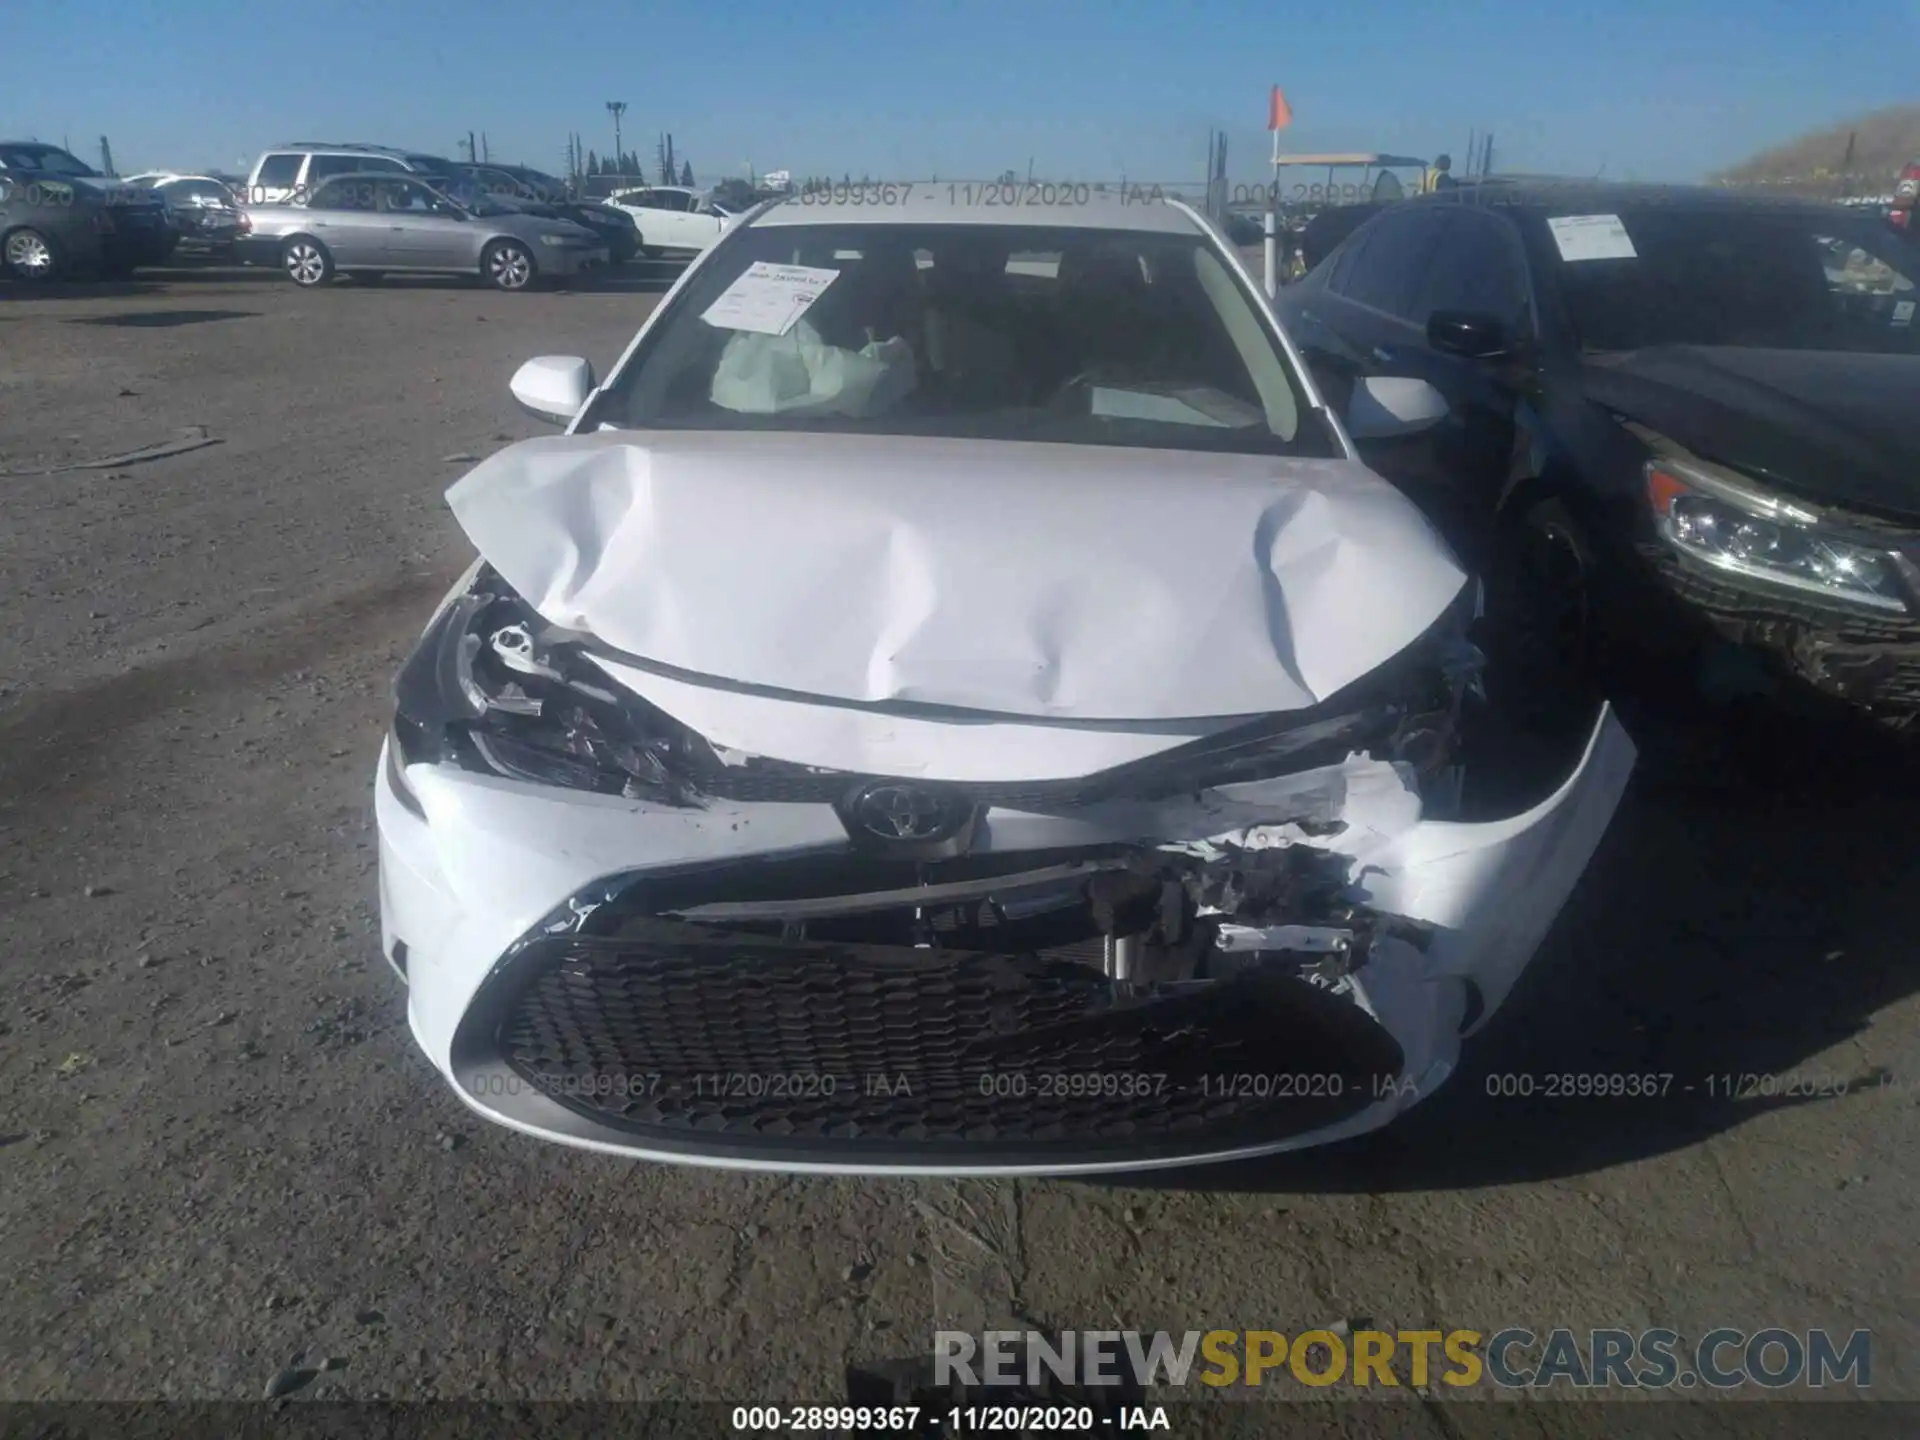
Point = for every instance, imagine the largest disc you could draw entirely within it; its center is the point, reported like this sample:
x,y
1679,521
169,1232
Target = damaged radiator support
x,y
1142,917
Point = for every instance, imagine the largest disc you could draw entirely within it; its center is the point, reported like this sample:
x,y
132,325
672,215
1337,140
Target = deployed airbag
x,y
798,373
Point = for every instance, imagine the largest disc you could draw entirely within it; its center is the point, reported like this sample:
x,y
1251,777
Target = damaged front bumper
x,y
1093,987
1830,655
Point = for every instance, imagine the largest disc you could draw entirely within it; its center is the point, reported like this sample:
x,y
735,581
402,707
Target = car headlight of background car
x,y
1737,526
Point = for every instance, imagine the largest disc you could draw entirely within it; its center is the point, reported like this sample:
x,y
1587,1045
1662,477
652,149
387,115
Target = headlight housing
x,y
490,687
1734,525
564,241
497,690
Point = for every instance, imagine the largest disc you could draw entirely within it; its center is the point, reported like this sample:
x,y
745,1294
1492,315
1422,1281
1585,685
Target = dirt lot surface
x,y
223,1159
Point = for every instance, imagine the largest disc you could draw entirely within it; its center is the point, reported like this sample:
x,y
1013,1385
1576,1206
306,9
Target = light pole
x,y
616,108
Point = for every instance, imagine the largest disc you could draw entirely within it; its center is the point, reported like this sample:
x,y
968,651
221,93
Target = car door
x,y
1351,313
709,221
665,220
1474,267
424,230
1359,322
341,214
680,225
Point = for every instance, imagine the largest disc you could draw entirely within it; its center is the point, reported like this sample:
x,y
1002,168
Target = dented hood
x,y
1066,582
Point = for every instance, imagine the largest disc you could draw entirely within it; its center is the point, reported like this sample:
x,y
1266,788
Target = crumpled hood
x,y
1835,426
1086,583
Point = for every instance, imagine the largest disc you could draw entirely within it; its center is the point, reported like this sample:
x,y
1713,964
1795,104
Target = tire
x,y
1542,651
28,255
306,261
508,265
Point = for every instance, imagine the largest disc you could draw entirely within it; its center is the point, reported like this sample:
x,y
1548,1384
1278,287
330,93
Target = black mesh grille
x,y
776,1046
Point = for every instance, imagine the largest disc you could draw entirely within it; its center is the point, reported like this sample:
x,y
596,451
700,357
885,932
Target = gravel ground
x,y
223,1158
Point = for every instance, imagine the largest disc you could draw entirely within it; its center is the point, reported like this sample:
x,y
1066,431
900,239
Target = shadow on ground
x,y
1720,933
162,319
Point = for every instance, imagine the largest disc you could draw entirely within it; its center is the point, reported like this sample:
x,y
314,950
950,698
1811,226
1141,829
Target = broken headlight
x,y
1736,526
492,687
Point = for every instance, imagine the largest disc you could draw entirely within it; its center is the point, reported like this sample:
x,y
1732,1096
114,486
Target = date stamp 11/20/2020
x,y
1063,194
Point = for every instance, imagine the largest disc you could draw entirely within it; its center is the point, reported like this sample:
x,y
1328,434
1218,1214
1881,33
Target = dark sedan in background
x,y
60,216
1683,440
209,218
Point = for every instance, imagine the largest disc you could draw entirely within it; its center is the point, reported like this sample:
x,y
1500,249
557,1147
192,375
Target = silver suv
x,y
293,170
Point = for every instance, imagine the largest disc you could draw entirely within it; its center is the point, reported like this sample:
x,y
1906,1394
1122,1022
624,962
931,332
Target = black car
x,y
513,188
60,216
205,211
1683,441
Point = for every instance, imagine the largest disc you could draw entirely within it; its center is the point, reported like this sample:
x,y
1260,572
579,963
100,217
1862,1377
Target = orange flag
x,y
1279,113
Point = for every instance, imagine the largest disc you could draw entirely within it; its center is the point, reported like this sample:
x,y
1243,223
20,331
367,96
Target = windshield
x,y
47,160
1074,335
1743,277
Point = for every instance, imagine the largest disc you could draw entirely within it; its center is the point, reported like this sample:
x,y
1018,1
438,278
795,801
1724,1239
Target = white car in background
x,y
931,716
672,219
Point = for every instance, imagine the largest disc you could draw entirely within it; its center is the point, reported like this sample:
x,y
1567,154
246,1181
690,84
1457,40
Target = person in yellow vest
x,y
1439,175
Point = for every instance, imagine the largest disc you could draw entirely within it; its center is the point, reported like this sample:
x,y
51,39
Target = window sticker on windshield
x,y
1592,237
1902,313
769,299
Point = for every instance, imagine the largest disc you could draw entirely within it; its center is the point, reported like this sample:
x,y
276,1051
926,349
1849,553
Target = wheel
x,y
306,261
508,265
1541,650
30,256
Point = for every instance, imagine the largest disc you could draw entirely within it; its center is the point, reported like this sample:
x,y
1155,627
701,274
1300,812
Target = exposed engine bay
x,y
495,688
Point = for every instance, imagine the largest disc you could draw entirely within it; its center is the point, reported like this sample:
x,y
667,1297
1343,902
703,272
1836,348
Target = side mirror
x,y
1392,407
553,387
1470,336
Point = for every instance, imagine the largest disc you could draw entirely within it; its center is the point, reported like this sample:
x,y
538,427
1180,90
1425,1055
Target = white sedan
x,y
957,701
672,219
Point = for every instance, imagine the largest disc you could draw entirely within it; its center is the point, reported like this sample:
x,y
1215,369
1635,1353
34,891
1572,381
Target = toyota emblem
x,y
907,812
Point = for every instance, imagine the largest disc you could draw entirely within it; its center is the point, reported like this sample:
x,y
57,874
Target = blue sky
x,y
913,88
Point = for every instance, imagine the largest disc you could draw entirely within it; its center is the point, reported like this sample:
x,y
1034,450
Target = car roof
x,y
342,147
943,204
1581,196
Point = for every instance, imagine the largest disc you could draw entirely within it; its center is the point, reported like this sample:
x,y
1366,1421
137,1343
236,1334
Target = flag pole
x,y
1271,246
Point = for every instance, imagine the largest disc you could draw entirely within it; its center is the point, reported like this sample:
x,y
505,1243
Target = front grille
x,y
712,1041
